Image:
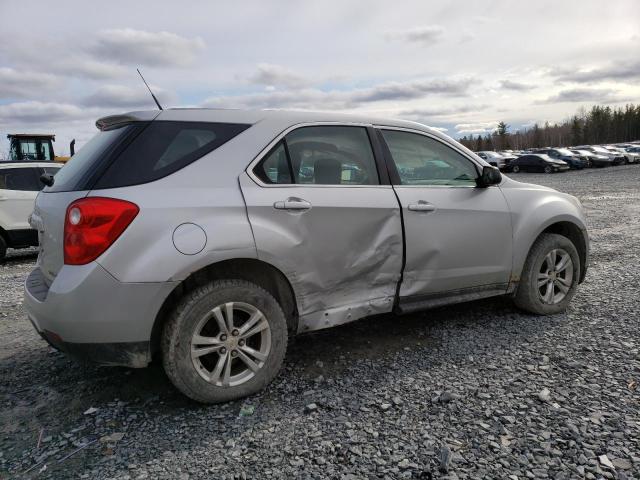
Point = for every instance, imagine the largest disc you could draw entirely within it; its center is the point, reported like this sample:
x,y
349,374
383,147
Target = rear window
x,y
140,152
163,148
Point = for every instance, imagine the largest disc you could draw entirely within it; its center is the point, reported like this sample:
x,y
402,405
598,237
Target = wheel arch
x,y
250,269
570,228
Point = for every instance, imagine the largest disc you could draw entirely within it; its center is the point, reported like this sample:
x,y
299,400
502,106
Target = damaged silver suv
x,y
209,237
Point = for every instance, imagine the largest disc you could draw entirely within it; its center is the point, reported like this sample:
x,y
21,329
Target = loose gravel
x,y
478,390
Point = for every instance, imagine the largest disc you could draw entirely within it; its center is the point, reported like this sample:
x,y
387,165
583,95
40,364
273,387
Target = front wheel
x,y
548,169
550,275
515,169
224,341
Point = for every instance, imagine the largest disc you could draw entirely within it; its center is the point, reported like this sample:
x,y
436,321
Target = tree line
x,y
600,124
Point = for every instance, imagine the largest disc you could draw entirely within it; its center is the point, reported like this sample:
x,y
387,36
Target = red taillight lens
x,y
91,226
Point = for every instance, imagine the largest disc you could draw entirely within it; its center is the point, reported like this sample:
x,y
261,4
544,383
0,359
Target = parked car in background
x,y
594,159
574,161
537,162
616,158
493,158
631,157
19,185
633,149
217,250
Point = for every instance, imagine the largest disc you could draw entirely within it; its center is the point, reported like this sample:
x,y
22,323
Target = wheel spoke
x,y
261,325
563,263
254,353
200,340
229,314
199,352
227,370
253,366
551,260
255,318
548,296
222,324
222,361
563,288
543,278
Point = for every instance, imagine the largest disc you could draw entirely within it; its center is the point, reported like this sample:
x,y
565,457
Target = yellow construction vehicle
x,y
35,147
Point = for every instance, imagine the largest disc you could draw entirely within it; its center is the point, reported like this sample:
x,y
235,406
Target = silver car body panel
x,y
343,257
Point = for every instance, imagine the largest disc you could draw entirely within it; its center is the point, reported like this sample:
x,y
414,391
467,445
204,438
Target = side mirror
x,y
490,176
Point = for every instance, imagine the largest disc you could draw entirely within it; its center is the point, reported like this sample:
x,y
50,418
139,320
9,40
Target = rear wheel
x,y
550,275
224,341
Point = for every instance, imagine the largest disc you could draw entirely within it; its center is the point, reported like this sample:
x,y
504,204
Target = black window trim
x,y
376,148
391,165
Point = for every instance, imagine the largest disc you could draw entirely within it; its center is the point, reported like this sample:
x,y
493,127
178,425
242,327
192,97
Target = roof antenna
x,y
154,97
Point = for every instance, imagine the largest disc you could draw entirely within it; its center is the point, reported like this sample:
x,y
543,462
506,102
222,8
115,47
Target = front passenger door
x,y
458,236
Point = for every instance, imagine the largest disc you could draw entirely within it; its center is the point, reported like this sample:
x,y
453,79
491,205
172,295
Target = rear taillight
x,y
91,226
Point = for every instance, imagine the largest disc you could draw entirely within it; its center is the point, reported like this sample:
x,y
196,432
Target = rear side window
x,y
22,179
165,147
321,155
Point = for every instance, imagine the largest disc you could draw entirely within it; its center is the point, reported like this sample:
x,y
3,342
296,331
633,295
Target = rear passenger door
x,y
323,212
458,236
18,189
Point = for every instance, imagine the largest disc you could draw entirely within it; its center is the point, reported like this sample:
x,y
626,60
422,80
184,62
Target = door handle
x,y
422,206
292,203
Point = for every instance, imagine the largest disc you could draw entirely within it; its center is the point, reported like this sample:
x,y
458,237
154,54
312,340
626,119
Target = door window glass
x,y
275,167
332,155
24,179
421,160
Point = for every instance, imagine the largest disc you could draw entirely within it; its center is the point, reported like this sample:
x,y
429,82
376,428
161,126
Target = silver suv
x,y
210,236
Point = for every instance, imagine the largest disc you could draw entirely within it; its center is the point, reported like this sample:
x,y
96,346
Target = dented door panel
x,y
339,246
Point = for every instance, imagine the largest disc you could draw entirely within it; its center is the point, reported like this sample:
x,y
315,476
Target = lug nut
x,y
223,351
234,353
235,333
241,343
223,337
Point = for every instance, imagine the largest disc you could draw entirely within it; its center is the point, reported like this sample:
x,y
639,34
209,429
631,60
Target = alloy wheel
x,y
555,276
230,344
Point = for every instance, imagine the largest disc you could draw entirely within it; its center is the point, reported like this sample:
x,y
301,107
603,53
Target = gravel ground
x,y
479,390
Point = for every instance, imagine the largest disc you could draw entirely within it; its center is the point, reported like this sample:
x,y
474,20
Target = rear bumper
x,y
88,313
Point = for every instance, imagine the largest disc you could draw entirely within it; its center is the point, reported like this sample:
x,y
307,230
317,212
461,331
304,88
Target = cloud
x,y
478,128
275,75
21,84
122,97
137,47
442,111
426,35
313,98
517,86
621,71
598,95
50,112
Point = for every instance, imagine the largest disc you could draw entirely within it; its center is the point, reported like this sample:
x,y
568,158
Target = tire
x,y
3,250
548,169
529,295
190,375
515,169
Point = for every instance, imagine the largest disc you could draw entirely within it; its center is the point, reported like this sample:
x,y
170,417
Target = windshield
x,y
600,149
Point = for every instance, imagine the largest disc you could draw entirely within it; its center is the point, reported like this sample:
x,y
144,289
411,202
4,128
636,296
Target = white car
x,y
19,185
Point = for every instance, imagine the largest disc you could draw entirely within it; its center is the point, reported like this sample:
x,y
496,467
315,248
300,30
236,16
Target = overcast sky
x,y
460,66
